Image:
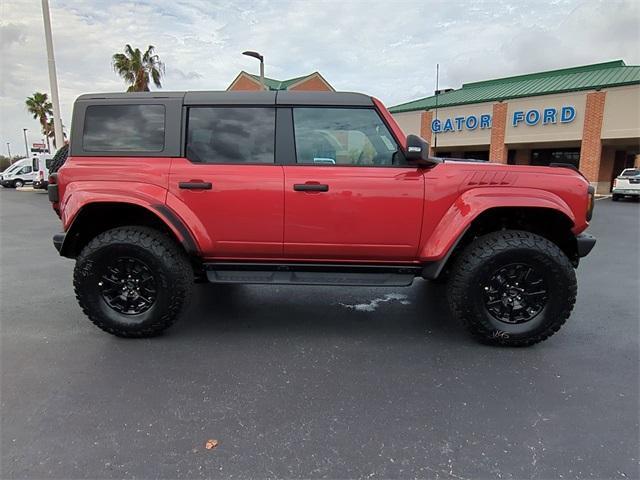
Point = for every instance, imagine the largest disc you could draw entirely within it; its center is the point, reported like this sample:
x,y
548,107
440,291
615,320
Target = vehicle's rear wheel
x,y
512,288
615,197
133,281
18,183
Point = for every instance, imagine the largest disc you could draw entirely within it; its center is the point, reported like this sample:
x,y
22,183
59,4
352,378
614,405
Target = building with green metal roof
x,y
313,81
588,116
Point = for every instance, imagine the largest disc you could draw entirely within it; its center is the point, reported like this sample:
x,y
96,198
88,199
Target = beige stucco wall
x,y
524,133
409,122
464,137
622,113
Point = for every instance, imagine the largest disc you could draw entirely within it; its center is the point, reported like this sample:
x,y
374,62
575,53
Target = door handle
x,y
310,187
195,185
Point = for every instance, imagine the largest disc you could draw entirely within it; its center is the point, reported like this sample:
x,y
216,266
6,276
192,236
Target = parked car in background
x,y
627,184
41,165
18,174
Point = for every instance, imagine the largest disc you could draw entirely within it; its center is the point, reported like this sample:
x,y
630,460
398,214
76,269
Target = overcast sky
x,y
386,48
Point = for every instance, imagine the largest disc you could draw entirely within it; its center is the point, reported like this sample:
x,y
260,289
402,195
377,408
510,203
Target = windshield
x,y
630,172
11,168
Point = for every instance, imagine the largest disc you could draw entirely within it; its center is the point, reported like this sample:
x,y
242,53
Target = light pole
x,y
249,53
53,79
9,150
26,144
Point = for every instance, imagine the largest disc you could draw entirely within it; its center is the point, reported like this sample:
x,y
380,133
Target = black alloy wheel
x,y
515,293
128,286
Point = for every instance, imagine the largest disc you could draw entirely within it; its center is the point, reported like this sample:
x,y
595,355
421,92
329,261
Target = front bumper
x,y
585,243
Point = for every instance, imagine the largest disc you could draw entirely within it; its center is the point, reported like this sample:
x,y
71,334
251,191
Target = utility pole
x,y
53,79
435,134
9,150
26,144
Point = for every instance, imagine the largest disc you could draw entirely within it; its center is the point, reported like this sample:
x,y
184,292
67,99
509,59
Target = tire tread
x,y
483,249
162,247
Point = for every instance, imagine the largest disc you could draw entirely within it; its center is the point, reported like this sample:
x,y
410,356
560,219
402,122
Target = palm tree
x,y
137,68
51,133
41,108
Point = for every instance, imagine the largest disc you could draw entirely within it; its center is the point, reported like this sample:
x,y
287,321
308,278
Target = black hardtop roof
x,y
241,98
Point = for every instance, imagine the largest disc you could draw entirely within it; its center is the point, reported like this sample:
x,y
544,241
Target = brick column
x,y
591,148
425,129
605,173
498,150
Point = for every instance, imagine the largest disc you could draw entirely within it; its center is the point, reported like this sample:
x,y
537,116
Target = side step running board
x,y
312,274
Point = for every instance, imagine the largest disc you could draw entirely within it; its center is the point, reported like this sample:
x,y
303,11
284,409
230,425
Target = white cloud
x,y
388,49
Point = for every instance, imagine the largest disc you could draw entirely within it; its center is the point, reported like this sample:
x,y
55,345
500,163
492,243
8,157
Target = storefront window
x,y
544,157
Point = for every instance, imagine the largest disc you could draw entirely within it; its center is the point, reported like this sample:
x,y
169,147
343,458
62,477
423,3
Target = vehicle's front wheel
x,y
512,288
133,281
615,197
18,183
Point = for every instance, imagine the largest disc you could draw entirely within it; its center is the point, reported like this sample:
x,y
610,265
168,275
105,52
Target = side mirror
x,y
418,151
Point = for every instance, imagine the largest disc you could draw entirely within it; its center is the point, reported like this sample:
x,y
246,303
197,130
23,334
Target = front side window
x,y
343,136
124,128
25,170
231,135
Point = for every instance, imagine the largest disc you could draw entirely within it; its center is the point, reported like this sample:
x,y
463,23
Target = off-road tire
x,y
487,254
166,260
58,159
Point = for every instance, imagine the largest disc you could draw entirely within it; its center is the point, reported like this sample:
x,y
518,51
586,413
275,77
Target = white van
x,y
41,164
18,174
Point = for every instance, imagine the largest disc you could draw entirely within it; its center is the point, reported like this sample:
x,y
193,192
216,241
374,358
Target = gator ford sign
x,y
532,117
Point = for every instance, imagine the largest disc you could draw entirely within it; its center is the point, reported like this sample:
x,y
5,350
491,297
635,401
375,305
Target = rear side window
x,y
342,136
231,135
124,128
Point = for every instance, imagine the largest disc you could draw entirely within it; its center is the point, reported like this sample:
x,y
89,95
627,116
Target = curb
x,y
30,189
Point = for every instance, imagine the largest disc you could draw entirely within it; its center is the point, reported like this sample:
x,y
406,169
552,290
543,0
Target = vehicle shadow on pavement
x,y
416,311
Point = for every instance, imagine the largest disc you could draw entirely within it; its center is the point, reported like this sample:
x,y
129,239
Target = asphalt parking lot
x,y
314,382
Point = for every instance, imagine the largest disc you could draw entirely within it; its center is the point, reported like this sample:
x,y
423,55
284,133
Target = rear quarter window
x,y
124,128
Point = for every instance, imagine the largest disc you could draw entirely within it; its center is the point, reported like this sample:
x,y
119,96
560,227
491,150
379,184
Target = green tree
x,y
138,69
41,108
50,133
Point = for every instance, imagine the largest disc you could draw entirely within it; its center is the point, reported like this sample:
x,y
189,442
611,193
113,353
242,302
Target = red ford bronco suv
x,y
164,189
